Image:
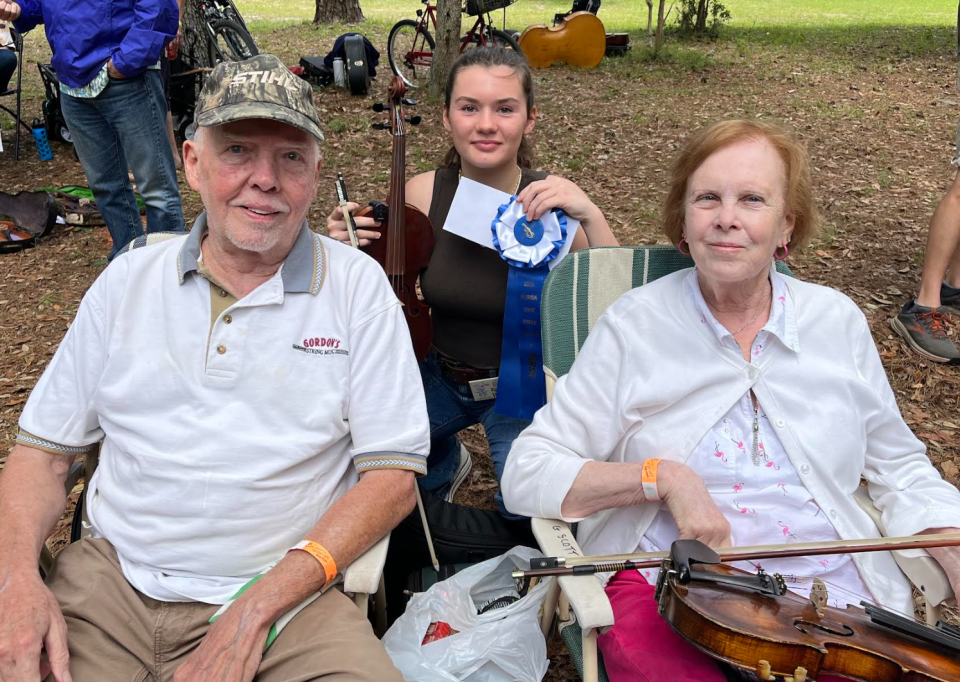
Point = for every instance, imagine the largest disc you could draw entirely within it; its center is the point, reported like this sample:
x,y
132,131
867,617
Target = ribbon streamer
x,y
527,247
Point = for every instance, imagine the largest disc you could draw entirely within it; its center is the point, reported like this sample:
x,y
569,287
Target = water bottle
x,y
339,73
43,144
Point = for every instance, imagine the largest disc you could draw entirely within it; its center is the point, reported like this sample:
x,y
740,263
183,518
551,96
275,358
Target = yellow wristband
x,y
649,480
320,553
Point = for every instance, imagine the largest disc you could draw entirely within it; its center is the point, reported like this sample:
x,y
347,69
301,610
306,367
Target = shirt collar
x,y
302,271
782,322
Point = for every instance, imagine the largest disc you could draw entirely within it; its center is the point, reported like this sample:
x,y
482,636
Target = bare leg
x,y
173,142
942,253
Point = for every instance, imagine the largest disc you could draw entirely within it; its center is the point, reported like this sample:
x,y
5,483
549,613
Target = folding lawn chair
x,y
16,92
575,295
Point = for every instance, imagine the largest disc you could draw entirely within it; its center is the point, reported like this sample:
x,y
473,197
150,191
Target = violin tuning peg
x,y
378,107
413,120
380,125
408,102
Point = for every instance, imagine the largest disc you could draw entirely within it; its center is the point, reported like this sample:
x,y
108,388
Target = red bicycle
x,y
410,45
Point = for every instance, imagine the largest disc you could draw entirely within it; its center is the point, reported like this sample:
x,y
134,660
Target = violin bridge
x,y
818,596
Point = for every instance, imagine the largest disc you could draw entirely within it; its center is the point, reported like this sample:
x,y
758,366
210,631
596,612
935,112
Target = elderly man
x,y
241,380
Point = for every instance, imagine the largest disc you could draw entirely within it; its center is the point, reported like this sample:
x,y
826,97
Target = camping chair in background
x,y
575,295
16,92
363,579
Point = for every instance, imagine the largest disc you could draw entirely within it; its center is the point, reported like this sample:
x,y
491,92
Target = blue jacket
x,y
84,34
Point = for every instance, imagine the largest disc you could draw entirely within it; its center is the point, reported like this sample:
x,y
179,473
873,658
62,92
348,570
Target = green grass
x,y
631,15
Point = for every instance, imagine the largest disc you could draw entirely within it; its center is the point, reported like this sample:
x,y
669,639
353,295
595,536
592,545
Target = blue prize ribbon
x,y
521,389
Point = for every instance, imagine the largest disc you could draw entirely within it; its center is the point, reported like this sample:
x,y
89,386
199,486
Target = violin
x,y
406,234
752,622
580,40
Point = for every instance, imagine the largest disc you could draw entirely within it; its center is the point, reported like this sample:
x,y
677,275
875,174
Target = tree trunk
x,y
195,45
333,11
701,16
448,45
658,39
649,17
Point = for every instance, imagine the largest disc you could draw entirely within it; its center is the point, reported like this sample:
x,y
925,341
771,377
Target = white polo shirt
x,y
225,442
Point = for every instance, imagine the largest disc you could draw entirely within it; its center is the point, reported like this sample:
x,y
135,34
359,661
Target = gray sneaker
x,y
925,331
461,474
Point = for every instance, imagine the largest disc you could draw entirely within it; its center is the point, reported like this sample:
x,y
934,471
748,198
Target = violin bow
x,y
588,565
347,217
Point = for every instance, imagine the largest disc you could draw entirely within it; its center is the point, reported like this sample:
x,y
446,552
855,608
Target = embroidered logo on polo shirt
x,y
329,345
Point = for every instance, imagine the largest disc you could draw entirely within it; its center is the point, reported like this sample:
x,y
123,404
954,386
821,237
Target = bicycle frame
x,y
422,58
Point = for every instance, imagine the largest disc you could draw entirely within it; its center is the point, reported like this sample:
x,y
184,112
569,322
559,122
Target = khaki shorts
x,y
118,634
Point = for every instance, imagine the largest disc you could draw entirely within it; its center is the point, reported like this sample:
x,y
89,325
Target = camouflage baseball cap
x,y
259,87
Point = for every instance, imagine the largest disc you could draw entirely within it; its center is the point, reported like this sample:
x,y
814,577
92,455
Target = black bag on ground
x,y
462,536
316,70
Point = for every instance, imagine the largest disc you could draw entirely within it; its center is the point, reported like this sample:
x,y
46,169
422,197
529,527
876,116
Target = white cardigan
x,y
650,381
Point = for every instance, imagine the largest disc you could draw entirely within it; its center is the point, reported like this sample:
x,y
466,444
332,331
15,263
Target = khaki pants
x,y
116,633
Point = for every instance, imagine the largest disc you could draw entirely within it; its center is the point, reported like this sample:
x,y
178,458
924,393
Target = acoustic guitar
x,y
578,41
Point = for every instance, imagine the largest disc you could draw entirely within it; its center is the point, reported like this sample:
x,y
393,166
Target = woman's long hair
x,y
488,58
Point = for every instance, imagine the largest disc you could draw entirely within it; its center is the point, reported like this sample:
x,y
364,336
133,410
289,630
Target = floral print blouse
x,y
764,500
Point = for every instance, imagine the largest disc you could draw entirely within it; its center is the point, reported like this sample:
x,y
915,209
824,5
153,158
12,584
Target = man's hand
x,y
111,69
31,622
173,47
687,499
230,651
9,10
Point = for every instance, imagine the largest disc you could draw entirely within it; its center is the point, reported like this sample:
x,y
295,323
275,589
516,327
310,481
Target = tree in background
x,y
694,15
448,45
332,11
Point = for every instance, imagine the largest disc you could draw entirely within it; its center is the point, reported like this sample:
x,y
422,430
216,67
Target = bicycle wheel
x,y
230,42
503,39
410,50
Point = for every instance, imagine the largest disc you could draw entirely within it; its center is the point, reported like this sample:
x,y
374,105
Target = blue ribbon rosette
x,y
527,246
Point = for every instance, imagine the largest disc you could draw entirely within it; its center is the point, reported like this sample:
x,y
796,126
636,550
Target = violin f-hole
x,y
846,632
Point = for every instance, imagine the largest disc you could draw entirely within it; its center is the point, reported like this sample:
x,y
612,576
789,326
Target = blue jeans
x,y
451,408
126,126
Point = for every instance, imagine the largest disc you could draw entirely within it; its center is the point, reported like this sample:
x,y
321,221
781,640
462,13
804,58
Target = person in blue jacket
x,y
106,54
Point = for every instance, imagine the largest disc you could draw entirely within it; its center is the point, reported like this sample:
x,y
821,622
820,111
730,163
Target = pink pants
x,y
642,647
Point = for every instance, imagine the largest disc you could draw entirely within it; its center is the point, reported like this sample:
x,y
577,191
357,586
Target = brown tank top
x,y
465,283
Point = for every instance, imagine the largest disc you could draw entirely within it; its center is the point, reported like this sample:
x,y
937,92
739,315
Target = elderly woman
x,y
756,401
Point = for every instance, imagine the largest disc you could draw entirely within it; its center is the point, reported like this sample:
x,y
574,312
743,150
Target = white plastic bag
x,y
501,645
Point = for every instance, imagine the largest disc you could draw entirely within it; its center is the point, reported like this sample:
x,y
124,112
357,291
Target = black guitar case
x,y
358,71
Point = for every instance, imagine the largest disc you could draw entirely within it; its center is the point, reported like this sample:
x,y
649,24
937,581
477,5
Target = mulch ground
x,y
877,119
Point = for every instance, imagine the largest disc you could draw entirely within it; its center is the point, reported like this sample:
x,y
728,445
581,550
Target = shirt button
x,y
221,349
227,319
223,294
805,469
833,513
781,423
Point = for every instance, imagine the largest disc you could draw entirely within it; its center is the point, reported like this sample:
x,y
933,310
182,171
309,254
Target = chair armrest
x,y
920,568
585,593
363,575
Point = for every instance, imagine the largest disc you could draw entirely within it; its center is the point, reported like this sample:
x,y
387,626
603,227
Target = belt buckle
x,y
484,389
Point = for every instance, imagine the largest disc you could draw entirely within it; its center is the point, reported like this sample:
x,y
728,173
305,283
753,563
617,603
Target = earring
x,y
786,252
681,244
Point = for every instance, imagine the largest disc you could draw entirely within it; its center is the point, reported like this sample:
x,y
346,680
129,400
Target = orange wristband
x,y
649,480
320,553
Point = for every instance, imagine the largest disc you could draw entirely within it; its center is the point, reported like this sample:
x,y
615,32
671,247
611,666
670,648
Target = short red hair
x,y
798,192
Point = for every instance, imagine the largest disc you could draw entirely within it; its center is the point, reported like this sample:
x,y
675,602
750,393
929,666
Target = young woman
x,y
488,112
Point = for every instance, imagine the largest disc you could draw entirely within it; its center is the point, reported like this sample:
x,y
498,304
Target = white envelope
x,y
475,206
